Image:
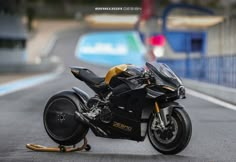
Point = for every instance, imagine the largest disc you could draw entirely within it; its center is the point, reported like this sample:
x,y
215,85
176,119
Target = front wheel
x,y
175,137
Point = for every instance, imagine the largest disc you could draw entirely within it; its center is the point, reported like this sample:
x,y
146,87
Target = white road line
x,y
51,43
210,99
28,82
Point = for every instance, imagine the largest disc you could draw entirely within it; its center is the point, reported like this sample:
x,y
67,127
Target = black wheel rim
x,y
59,119
167,136
170,144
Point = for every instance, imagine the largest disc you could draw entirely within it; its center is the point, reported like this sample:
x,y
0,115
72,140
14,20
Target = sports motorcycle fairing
x,y
130,103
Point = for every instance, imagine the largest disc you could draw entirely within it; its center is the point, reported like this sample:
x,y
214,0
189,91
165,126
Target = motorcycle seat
x,y
87,75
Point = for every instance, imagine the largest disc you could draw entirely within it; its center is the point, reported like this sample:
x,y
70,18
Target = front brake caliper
x,y
156,124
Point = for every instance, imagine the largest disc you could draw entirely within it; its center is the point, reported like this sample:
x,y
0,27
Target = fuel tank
x,y
116,76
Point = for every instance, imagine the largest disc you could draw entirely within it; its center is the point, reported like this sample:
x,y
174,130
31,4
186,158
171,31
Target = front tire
x,y
176,137
59,119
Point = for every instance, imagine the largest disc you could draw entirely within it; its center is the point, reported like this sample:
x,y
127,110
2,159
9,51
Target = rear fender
x,y
84,97
70,95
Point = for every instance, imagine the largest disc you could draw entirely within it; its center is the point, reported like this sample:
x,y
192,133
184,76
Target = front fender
x,y
166,111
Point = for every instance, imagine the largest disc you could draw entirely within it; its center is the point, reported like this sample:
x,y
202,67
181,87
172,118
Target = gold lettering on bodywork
x,y
122,126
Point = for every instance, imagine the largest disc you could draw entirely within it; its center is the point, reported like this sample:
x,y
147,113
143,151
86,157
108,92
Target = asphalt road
x,y
21,114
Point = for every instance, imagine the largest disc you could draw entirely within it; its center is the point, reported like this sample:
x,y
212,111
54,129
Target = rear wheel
x,y
175,137
59,119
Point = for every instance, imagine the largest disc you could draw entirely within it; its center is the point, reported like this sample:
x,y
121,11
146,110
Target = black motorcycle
x,y
130,102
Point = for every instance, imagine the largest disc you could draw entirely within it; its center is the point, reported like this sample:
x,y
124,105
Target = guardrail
x,y
220,70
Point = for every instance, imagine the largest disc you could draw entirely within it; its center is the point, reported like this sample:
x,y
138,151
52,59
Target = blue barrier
x,y
184,41
111,48
219,70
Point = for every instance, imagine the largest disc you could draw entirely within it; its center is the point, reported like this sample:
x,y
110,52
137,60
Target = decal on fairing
x,y
122,126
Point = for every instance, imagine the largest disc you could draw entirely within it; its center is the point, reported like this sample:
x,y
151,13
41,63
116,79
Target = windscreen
x,y
164,73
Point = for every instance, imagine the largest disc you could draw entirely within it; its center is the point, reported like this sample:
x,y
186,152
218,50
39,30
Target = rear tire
x,y
59,119
177,139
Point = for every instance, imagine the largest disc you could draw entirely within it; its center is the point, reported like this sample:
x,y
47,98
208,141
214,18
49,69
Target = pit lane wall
x,y
214,76
215,73
220,92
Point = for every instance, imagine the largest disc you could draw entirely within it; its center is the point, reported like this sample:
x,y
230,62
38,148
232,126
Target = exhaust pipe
x,y
81,118
84,120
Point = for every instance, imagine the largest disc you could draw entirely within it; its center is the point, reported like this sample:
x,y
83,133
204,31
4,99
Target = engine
x,y
99,110
116,80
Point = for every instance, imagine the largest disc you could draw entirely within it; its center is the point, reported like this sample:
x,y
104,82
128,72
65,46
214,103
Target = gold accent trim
x,y
157,107
114,71
41,148
122,126
169,88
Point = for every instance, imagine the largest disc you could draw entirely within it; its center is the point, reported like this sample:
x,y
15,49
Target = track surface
x,y
214,127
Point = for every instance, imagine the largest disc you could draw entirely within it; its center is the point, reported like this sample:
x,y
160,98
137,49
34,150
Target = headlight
x,y
181,92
